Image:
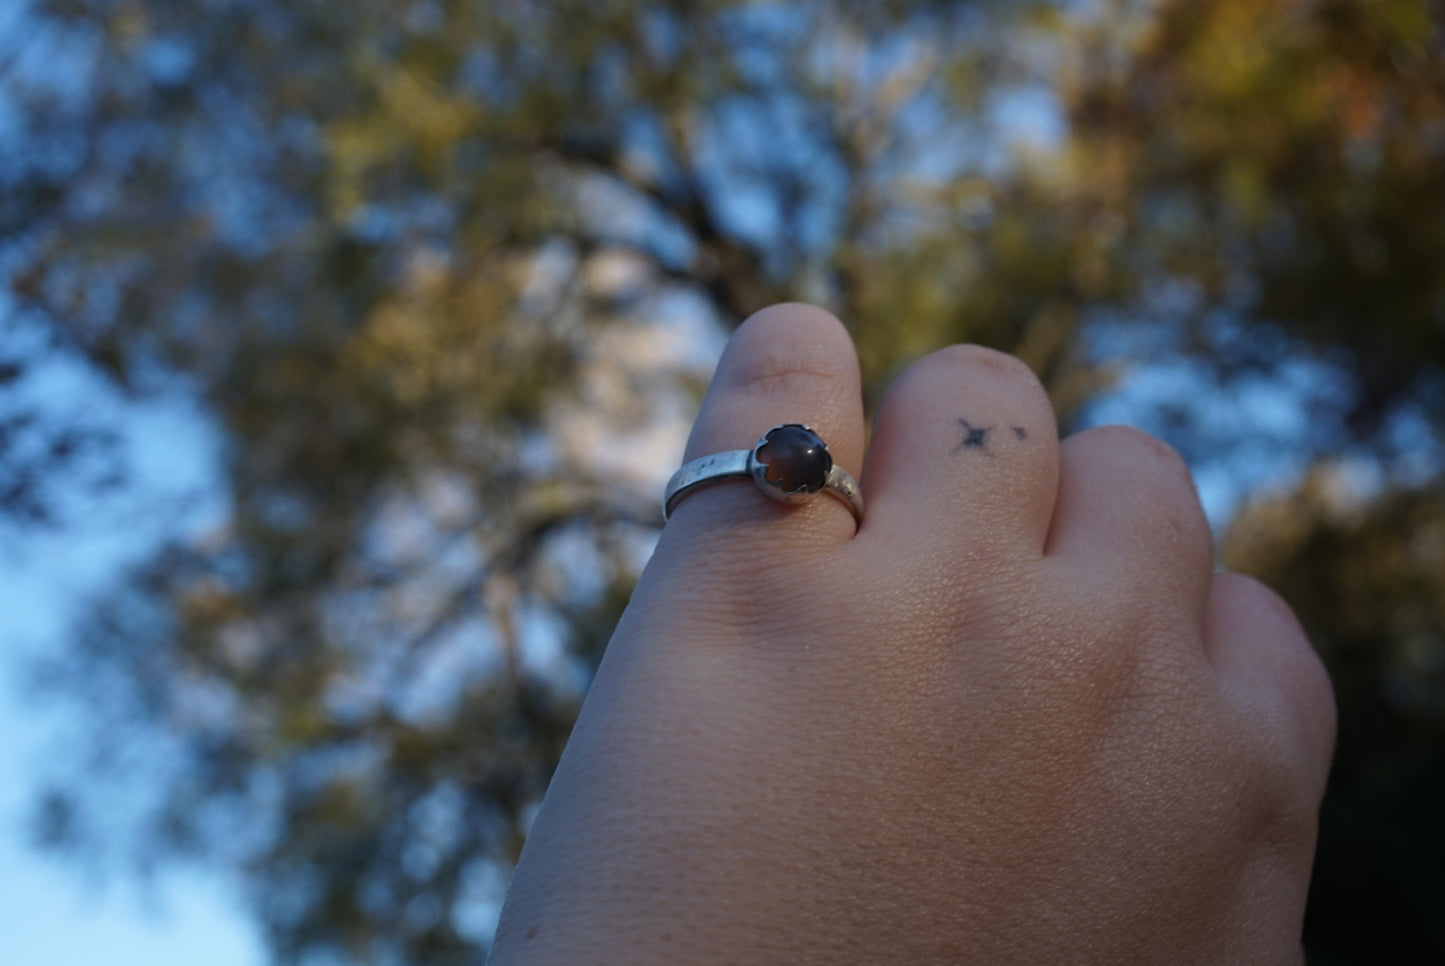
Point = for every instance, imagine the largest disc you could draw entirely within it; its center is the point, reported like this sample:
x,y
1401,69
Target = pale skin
x,y
1013,717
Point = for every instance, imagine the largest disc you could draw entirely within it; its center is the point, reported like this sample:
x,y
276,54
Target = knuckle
x,y
1320,697
777,377
1304,677
984,375
982,357
1286,800
1150,446
1245,591
789,349
1286,822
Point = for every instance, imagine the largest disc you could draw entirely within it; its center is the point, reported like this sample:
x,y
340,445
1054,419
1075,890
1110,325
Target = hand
x,y
1014,718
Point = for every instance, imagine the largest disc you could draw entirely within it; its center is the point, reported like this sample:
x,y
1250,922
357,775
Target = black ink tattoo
x,y
1020,433
974,437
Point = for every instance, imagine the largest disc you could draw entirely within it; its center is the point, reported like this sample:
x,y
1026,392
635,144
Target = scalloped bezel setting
x,y
790,463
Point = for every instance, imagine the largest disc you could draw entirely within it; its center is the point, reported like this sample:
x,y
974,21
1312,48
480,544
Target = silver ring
x,y
791,463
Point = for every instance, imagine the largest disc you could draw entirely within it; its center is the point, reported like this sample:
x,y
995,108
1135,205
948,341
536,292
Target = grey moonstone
x,y
797,460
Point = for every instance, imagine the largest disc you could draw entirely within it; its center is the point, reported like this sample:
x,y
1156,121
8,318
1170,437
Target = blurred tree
x,y
1366,573
1278,165
1279,170
429,267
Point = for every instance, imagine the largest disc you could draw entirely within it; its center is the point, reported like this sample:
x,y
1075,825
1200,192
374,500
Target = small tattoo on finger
x,y
974,437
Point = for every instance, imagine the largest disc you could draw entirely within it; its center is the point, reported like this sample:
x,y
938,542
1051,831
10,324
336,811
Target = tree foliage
x,y
1367,576
417,260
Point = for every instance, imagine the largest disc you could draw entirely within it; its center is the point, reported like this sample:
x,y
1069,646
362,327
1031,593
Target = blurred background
x,y
345,347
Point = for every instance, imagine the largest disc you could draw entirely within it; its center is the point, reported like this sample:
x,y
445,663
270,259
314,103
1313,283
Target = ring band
x,y
791,463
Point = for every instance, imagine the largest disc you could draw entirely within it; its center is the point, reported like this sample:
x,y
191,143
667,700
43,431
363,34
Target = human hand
x,y
1014,718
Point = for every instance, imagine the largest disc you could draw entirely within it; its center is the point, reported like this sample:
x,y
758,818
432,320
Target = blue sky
x,y
52,912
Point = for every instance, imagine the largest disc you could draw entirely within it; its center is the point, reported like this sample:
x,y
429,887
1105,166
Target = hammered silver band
x,y
743,464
